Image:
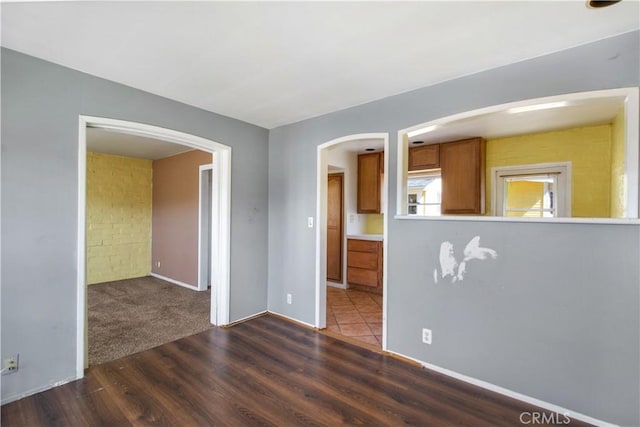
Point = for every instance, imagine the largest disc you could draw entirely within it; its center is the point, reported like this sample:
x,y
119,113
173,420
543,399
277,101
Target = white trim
x,y
221,238
249,317
202,286
322,171
402,162
632,128
632,120
81,253
508,393
336,284
385,240
221,215
607,221
37,390
291,319
565,183
174,281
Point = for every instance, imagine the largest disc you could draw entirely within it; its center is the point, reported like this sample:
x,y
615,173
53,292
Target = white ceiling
x,y
359,146
123,144
499,124
274,63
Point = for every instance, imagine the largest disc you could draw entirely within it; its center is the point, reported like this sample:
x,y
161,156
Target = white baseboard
x,y
336,285
175,282
37,390
245,318
509,393
309,325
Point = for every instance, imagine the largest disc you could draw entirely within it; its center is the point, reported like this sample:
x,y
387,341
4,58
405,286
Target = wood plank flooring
x,y
269,372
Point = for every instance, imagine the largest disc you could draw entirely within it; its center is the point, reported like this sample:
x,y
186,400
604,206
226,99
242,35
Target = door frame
x,y
322,171
200,285
342,242
221,217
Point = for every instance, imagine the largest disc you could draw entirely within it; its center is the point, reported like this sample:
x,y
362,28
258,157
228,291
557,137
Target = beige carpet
x,y
129,316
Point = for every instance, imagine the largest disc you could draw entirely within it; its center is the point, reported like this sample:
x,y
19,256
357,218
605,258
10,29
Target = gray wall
x,y
40,107
554,317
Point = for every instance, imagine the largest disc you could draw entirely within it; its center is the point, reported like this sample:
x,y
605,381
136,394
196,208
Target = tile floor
x,y
355,314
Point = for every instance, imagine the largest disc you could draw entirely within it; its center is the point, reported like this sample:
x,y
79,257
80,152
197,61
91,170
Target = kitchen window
x,y
424,193
533,191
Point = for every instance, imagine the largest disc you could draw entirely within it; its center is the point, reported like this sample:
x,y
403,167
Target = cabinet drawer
x,y
360,276
367,260
362,245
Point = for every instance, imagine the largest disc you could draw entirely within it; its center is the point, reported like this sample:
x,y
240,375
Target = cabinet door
x,y
425,157
462,165
369,183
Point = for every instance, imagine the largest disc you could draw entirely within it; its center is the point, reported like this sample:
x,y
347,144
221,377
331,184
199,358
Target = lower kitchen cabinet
x,y
364,263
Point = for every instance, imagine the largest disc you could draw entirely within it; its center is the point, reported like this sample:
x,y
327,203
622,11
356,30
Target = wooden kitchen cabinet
x,y
424,157
462,166
364,263
370,169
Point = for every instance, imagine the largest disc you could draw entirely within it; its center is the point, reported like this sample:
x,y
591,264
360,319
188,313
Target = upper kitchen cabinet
x,y
370,169
462,165
425,157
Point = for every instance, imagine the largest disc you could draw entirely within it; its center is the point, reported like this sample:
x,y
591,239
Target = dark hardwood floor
x,y
265,371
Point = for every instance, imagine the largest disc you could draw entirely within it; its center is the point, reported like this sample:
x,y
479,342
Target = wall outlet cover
x,y
10,364
426,336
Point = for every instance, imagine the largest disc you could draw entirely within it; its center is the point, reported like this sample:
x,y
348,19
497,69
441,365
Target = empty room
x,y
143,203
392,213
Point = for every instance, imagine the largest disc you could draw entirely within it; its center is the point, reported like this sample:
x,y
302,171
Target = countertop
x,y
377,237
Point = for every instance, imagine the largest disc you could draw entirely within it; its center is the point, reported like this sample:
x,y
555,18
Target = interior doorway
x,y
350,292
335,235
219,222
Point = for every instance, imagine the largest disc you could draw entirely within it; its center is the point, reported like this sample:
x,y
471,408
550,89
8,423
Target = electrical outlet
x,y
426,336
289,298
10,364
158,264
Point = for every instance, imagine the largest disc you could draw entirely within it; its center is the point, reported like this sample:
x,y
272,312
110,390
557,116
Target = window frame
x,y
431,173
564,184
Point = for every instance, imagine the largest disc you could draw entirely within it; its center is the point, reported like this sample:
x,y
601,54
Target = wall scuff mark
x,y
449,263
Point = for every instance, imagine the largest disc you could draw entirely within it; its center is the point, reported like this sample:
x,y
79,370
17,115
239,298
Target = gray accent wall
x,y
554,317
41,103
